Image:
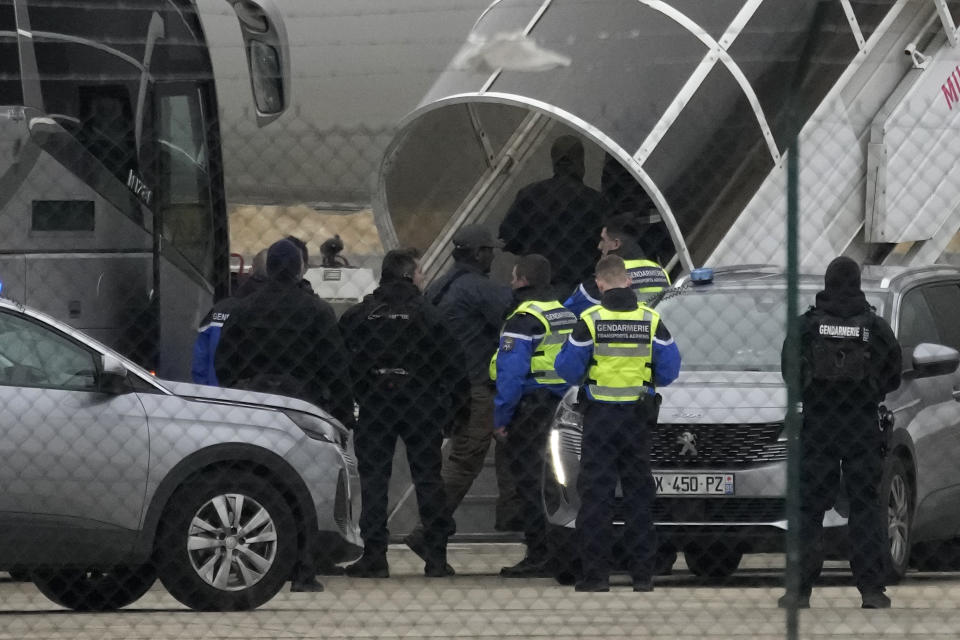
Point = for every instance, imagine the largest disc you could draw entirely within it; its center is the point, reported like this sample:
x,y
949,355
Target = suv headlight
x,y
327,430
556,458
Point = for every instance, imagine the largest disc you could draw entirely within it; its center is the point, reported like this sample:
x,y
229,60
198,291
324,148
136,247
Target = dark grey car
x,y
110,478
719,452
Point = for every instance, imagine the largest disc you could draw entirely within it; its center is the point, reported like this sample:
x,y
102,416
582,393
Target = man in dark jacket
x,y
849,360
410,383
281,339
559,217
473,306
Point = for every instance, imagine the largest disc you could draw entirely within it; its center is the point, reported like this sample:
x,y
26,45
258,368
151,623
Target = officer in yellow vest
x,y
619,352
619,237
528,390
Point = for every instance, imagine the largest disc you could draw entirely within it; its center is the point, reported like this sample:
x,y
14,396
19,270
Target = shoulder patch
x,y
508,344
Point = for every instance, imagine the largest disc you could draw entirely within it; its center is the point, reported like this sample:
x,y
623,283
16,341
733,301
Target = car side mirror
x,y
934,360
268,56
113,375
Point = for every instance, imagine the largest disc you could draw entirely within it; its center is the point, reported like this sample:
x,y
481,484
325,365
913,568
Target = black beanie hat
x,y
284,261
843,275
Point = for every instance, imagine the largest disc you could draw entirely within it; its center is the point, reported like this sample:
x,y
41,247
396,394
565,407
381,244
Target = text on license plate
x,y
694,484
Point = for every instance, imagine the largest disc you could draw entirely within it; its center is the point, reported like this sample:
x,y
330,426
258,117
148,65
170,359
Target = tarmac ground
x,y
477,603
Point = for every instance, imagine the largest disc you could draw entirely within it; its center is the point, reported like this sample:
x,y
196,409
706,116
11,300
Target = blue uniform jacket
x,y
574,359
208,337
582,298
518,342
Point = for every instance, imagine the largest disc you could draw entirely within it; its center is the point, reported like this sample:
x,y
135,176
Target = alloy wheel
x,y
898,519
232,542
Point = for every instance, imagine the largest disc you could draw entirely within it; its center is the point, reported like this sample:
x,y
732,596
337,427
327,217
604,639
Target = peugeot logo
x,y
688,442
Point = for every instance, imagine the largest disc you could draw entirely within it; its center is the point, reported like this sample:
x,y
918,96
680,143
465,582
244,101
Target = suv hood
x,y
243,398
724,397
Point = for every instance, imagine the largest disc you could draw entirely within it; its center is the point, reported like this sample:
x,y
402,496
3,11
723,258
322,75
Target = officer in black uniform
x,y
411,383
849,360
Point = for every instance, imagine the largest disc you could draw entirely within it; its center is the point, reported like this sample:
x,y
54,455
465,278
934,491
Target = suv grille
x,y
713,510
717,445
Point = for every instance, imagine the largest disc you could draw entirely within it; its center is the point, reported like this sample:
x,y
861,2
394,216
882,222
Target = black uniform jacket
x,y
885,358
404,358
285,340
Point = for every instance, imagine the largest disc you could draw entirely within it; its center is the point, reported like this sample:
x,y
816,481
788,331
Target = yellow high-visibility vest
x,y
558,323
621,369
647,276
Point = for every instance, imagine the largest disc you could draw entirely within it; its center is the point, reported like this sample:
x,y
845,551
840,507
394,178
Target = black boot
x,y
305,579
418,544
529,568
593,585
372,565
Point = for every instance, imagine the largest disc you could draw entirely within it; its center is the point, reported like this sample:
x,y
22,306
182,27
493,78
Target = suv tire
x,y
714,560
83,590
226,514
897,494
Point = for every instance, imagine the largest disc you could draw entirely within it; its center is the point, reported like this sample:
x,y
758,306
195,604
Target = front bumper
x,y
327,469
755,516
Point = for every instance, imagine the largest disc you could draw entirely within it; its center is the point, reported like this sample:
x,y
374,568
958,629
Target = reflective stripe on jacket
x,y
558,323
647,276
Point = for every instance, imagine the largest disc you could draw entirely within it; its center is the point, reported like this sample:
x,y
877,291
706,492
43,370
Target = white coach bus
x,y
112,208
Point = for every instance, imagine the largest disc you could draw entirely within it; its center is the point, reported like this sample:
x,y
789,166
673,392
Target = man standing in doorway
x,y
558,218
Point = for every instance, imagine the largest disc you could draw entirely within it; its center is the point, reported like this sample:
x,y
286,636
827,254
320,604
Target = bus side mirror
x,y
268,56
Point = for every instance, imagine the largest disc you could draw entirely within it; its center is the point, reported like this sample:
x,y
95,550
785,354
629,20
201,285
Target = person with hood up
x,y
849,360
619,238
282,339
411,383
528,391
558,218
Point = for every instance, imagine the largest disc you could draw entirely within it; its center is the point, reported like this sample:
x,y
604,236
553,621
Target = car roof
x,y
80,335
874,278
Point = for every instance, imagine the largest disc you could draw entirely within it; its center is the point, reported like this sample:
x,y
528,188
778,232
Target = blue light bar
x,y
703,275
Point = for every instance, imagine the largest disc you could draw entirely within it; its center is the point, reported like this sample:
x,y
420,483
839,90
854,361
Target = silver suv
x,y
110,477
719,452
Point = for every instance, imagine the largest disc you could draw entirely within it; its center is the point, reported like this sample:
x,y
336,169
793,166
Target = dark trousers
x,y
616,444
849,443
375,442
525,447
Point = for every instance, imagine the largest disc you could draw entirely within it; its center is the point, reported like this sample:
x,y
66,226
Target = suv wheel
x,y
228,542
714,560
82,590
899,497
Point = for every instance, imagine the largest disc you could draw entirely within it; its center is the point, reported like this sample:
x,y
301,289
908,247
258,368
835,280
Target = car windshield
x,y
732,330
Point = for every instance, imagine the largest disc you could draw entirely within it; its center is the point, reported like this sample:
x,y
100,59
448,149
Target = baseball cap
x,y
475,236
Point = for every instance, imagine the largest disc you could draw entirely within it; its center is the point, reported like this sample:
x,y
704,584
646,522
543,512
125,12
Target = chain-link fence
x,y
642,324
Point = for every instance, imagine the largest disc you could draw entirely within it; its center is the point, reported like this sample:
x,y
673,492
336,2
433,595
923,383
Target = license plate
x,y
694,484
